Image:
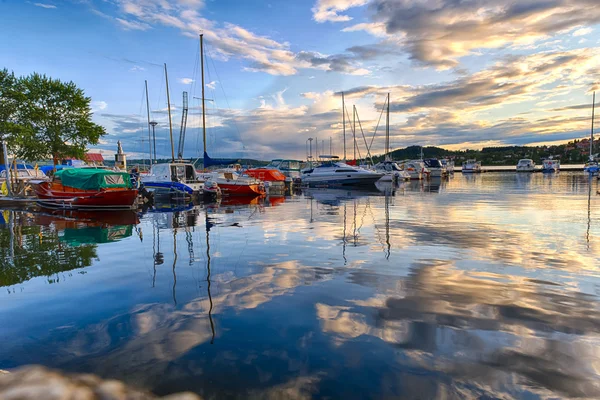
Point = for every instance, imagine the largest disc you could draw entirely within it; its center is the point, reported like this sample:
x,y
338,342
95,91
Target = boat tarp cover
x,y
96,234
93,179
217,161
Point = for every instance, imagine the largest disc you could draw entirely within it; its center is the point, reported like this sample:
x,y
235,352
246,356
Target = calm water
x,y
482,286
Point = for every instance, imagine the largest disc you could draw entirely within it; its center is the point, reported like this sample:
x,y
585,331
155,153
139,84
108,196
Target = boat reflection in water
x,y
53,242
451,289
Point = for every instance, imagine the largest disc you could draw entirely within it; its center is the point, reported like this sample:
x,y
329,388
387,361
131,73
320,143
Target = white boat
x,y
392,172
449,164
471,167
414,169
526,165
177,178
333,172
435,167
550,166
24,172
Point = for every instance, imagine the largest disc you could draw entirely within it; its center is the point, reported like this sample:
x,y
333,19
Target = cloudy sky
x,y
460,73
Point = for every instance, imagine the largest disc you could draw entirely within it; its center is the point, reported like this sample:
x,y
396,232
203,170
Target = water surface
x,y
480,286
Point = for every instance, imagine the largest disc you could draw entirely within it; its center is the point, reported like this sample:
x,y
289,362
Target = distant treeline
x,y
573,152
505,155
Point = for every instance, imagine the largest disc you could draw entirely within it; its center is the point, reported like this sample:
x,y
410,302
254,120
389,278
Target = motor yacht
x,y
332,172
471,167
391,171
550,166
178,178
526,165
435,167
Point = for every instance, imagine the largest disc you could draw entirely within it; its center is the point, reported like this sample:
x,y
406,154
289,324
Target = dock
x,y
510,168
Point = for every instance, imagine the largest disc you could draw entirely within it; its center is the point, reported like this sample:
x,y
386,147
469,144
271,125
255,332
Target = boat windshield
x,y
433,163
274,164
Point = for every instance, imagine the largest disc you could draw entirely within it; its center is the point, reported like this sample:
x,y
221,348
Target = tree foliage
x,y
58,116
42,118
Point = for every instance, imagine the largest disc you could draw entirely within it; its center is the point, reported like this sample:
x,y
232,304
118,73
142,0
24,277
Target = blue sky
x,y
461,74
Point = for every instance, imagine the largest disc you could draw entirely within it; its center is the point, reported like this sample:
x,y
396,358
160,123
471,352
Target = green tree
x,y
10,100
58,118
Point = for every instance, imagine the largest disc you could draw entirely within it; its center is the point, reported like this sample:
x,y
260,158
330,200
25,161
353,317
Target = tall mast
x,y
344,124
387,130
148,110
592,132
169,110
202,74
354,129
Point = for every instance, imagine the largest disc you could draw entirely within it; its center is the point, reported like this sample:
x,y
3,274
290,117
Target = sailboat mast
x,y
169,110
344,124
592,131
202,81
148,111
387,129
354,129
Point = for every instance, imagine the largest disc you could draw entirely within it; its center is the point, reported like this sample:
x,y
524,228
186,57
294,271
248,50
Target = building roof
x,y
94,157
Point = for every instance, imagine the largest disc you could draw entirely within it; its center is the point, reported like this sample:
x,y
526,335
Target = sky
x,y
460,73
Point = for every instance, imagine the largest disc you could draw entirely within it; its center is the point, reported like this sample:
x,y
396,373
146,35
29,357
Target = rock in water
x,y
40,383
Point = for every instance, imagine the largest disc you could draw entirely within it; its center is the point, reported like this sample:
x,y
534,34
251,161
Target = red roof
x,y
94,157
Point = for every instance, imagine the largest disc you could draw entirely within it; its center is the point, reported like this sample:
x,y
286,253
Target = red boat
x,y
232,184
82,188
266,174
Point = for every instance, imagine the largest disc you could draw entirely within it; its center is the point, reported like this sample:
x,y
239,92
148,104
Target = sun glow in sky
x,y
460,74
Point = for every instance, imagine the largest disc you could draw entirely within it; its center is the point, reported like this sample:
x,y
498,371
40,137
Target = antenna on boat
x,y
148,111
169,110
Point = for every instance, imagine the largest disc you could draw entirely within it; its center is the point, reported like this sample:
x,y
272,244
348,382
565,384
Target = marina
x,y
348,291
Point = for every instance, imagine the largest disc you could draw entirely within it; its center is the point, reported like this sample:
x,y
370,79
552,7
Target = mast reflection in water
x,y
474,287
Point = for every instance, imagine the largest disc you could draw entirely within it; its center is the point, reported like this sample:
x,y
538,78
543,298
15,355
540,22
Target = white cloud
x,y
99,105
137,68
44,5
328,10
226,40
212,84
582,31
133,25
186,81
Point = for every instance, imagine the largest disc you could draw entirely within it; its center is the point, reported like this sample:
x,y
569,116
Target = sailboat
x,y
229,180
591,167
391,170
176,178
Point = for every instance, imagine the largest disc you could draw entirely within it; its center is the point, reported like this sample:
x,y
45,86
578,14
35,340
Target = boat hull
x,y
233,189
336,182
526,169
49,196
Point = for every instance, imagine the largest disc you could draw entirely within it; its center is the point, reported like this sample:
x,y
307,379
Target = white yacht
x,y
392,172
550,166
526,165
177,178
435,167
414,169
471,167
332,172
449,164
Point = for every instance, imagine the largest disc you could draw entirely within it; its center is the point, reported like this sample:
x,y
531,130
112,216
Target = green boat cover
x,y
93,179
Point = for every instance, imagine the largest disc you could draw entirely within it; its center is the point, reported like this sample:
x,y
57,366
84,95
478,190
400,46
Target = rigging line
x,y
364,138
225,95
377,126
